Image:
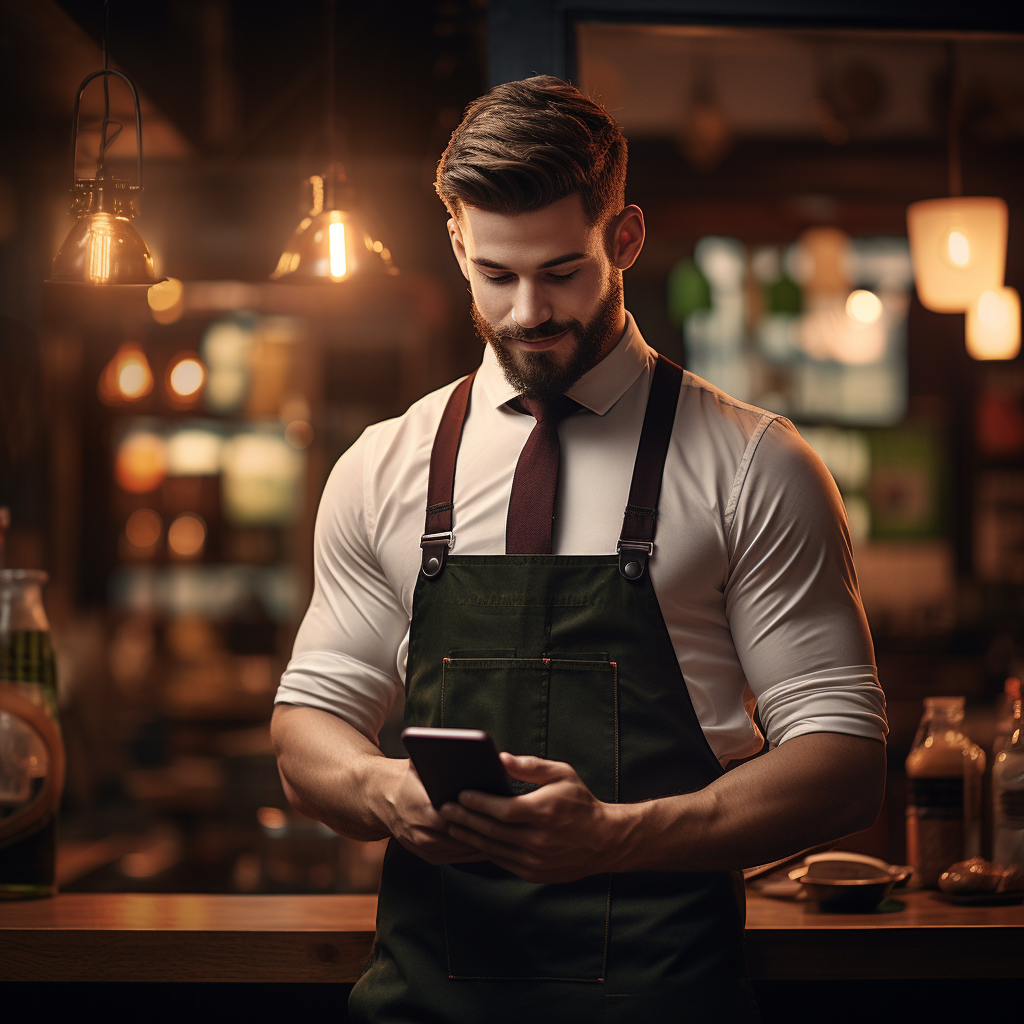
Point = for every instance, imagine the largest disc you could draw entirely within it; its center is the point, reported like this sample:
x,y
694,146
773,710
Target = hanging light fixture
x,y
104,248
957,244
993,325
330,243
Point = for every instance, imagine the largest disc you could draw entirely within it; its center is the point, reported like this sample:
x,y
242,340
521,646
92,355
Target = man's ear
x,y
626,237
458,246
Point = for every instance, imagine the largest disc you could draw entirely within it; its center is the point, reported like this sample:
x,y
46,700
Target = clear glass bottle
x,y
944,772
1004,714
1008,798
31,751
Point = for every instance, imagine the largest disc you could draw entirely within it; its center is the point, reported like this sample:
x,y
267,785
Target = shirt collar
x,y
597,390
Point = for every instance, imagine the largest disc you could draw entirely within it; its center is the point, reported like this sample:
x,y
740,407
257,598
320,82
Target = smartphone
x,y
451,760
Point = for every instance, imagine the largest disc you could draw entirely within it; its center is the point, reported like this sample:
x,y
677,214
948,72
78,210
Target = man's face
x,y
547,289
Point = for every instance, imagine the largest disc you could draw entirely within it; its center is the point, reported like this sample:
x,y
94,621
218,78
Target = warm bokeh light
x,y
863,306
143,529
186,536
336,245
167,300
127,377
299,434
993,325
958,247
186,376
271,817
194,452
141,462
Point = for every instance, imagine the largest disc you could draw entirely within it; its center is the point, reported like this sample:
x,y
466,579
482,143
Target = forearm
x,y
811,790
332,772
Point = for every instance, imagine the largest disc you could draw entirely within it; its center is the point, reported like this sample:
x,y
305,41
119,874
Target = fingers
x,y
460,816
535,769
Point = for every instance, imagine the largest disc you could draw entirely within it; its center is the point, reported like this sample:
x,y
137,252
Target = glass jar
x,y
944,771
31,750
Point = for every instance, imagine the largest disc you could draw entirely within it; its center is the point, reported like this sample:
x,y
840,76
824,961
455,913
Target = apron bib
x,y
567,658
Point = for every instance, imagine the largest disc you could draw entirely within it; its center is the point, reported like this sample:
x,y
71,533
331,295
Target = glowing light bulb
x,y
187,377
336,246
959,248
863,306
99,269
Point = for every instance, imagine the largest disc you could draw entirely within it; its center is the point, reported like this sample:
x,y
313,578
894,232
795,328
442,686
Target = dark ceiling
x,y
248,77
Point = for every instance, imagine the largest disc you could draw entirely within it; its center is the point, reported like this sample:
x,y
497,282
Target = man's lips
x,y
543,343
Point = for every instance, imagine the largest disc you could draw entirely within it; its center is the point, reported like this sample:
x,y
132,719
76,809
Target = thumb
x,y
534,769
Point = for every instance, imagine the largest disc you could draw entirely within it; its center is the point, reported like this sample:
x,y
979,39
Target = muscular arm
x,y
811,790
332,772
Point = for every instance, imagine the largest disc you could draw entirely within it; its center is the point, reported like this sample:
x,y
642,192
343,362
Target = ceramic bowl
x,y
850,882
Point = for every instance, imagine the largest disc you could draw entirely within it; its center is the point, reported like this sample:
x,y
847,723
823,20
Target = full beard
x,y
539,374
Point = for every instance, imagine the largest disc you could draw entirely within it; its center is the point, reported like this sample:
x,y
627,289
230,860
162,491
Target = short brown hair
x,y
527,144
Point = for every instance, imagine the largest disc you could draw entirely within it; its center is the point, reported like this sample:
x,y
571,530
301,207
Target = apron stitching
x,y
444,671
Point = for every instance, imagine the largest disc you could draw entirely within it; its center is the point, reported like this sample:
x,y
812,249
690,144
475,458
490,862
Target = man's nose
x,y
531,307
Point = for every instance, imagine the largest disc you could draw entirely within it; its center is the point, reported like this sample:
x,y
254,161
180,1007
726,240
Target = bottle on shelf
x,y
31,750
944,771
1004,714
1008,797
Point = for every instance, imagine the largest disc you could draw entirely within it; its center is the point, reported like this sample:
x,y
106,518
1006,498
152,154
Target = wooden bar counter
x,y
180,938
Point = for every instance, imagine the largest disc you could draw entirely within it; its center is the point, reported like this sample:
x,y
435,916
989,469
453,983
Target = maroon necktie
x,y
531,506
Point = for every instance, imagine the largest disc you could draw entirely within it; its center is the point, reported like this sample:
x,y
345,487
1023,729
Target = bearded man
x,y
494,551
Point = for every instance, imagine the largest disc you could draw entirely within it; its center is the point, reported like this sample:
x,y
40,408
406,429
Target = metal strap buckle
x,y
637,545
633,555
436,538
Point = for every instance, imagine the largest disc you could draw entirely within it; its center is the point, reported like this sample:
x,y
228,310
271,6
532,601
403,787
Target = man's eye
x,y
563,277
501,279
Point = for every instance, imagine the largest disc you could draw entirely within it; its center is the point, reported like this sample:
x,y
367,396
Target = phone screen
x,y
451,760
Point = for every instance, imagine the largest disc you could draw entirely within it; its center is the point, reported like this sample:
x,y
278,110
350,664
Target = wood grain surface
x,y
180,938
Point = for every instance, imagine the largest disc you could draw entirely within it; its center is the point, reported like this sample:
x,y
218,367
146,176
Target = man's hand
x,y
557,833
412,820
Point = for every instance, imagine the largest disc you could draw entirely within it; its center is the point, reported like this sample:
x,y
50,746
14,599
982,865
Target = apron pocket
x,y
499,927
562,708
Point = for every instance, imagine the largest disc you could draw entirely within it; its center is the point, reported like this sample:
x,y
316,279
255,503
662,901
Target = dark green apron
x,y
565,657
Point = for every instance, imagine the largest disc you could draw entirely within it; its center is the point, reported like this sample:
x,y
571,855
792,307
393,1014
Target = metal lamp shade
x,y
104,249
958,247
329,247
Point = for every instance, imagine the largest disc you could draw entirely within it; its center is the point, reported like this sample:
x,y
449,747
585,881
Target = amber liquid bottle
x,y
31,752
944,772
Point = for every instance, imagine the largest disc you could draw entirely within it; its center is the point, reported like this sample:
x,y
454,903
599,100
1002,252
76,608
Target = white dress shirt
x,y
752,563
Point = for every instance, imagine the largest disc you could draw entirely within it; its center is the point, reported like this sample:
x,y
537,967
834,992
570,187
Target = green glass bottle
x,y
31,751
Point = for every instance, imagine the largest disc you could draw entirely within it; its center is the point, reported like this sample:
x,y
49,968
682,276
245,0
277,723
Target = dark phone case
x,y
448,763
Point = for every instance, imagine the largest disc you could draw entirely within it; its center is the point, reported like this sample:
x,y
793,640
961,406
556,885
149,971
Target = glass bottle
x,y
944,771
1008,797
31,751
1004,714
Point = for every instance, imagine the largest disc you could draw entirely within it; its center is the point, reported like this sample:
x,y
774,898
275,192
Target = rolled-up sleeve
x,y
345,655
792,598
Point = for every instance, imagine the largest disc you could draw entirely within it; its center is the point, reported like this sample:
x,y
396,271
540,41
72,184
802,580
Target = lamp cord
x,y
105,141
954,169
331,173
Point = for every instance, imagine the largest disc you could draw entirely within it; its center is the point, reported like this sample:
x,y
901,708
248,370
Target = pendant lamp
x,y
958,247
330,244
993,325
957,244
105,249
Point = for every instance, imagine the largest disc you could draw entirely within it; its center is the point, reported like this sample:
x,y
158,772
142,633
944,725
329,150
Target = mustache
x,y
541,333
